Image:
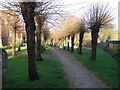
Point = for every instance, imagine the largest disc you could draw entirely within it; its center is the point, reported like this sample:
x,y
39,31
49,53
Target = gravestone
x,y
3,55
0,69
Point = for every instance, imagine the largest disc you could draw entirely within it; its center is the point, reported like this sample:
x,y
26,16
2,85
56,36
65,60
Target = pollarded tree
x,y
39,24
21,36
58,37
44,11
68,44
70,27
27,10
13,25
82,29
99,16
45,36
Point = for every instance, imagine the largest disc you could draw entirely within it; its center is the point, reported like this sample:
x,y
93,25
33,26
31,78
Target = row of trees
x,y
36,16
98,16
11,26
67,33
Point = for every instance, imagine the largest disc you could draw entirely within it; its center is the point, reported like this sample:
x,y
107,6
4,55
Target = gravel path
x,y
77,74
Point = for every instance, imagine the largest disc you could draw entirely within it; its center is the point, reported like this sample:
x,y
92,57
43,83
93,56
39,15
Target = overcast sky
x,y
77,7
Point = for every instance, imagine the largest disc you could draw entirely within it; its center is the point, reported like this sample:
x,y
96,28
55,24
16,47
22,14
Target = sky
x,y
77,7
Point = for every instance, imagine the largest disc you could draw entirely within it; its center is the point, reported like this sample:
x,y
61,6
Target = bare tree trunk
x,y
44,42
54,43
64,40
59,43
44,45
31,54
68,46
72,43
38,47
19,47
0,35
27,9
94,44
81,35
14,42
19,43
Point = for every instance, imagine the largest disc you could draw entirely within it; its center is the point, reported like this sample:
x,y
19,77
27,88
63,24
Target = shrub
x,y
113,53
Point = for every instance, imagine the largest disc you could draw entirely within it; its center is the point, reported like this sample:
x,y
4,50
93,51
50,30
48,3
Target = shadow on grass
x,y
50,73
105,66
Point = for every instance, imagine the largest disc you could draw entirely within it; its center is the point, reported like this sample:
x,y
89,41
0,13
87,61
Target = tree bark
x,y
64,42
0,34
68,46
72,43
14,42
44,44
94,35
19,47
27,9
81,35
38,47
60,43
19,43
31,54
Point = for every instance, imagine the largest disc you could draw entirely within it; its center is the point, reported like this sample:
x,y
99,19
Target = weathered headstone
x,y
4,65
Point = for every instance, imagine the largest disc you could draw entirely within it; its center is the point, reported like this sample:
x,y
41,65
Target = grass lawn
x,y
48,51
23,49
9,49
50,73
105,66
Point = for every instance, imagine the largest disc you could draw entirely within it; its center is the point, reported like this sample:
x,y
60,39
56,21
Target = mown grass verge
x,y
105,66
50,73
9,49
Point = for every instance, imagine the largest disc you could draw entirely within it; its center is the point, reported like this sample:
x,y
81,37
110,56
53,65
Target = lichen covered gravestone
x,y
3,54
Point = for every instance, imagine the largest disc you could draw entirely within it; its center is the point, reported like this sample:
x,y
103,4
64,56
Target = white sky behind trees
x,y
78,7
